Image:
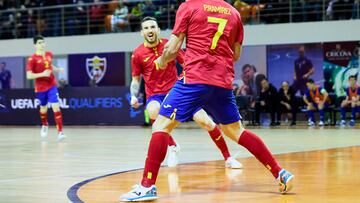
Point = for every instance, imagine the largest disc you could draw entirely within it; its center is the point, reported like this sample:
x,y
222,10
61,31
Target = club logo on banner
x,y
96,68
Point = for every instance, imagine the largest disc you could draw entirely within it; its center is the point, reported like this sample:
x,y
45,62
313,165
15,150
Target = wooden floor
x,y
91,166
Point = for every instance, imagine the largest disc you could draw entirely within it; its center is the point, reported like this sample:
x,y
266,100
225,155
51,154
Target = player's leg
x,y
42,97
53,96
344,105
179,106
311,117
204,121
321,108
257,147
153,108
226,113
354,107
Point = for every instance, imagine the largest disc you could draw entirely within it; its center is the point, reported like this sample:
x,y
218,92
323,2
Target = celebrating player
x,y
40,69
158,82
352,100
214,35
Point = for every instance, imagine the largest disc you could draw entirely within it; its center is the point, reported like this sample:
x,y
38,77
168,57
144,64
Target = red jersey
x,y
157,81
211,27
37,64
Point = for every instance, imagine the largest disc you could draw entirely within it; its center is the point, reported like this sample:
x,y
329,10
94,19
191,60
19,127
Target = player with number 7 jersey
x,y
209,55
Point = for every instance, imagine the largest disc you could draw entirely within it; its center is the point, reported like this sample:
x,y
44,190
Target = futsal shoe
x,y
352,123
311,123
173,158
342,123
61,136
140,193
321,123
232,163
285,181
44,131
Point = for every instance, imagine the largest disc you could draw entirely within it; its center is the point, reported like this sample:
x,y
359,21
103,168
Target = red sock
x,y
152,121
58,120
43,117
220,142
257,147
171,141
156,155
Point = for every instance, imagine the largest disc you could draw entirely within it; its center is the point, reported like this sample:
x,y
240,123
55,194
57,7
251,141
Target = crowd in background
x,y
25,18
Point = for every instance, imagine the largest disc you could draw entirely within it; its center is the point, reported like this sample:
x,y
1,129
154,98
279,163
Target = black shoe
x,y
292,123
277,123
272,124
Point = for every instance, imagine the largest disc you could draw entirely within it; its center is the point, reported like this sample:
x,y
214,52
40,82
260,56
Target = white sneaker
x,y
342,123
61,136
321,123
231,162
311,123
44,131
173,158
140,193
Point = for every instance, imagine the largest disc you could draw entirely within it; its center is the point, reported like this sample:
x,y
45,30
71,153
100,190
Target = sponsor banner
x,y
341,59
106,69
80,106
282,59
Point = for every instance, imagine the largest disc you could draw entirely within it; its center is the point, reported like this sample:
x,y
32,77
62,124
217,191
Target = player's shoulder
x,y
138,51
32,57
48,53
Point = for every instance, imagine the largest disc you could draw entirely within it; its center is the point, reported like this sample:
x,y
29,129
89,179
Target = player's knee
x,y
153,110
43,109
55,107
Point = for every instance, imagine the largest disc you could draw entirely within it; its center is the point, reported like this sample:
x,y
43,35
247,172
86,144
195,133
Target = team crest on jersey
x,y
96,68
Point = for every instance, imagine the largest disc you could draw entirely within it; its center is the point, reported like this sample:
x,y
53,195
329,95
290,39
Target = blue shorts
x,y
156,97
51,96
184,100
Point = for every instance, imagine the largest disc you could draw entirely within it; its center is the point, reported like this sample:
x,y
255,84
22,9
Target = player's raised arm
x,y
170,50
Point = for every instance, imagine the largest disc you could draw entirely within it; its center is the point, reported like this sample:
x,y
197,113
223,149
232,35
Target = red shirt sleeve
x,y
30,64
182,19
135,65
180,58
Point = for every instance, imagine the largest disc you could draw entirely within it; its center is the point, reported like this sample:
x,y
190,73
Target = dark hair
x,y
37,38
147,18
248,65
352,76
310,81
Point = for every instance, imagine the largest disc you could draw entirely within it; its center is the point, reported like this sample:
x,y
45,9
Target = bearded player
x,y
158,83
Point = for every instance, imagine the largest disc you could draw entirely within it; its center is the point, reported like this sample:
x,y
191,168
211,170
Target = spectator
x,y
268,101
96,17
120,22
149,8
316,98
303,69
252,81
287,101
5,77
136,16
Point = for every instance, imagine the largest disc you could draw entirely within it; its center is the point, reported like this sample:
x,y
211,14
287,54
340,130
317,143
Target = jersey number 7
x,y
221,26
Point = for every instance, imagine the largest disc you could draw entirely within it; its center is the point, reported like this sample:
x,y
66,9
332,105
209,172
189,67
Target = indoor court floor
x,y
98,164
